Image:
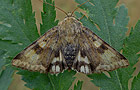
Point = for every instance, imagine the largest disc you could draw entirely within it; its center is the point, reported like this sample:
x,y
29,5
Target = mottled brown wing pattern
x,y
39,55
70,46
98,55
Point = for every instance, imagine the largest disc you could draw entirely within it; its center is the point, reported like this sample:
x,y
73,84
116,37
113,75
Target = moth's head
x,y
69,14
70,22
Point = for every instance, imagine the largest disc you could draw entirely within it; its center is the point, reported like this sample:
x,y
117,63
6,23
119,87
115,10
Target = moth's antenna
x,y
81,17
54,6
78,7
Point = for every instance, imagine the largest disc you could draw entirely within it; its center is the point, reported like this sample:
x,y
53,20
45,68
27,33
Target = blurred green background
x,y
68,6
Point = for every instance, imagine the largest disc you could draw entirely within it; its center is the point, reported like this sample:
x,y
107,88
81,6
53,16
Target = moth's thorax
x,y
69,28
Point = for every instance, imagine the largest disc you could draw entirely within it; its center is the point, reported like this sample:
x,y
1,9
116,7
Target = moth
x,y
72,46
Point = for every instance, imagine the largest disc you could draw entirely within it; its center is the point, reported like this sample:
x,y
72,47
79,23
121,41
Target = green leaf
x,y
14,26
6,78
132,47
37,81
109,22
15,19
78,86
2,61
63,81
6,72
136,83
29,19
14,34
48,16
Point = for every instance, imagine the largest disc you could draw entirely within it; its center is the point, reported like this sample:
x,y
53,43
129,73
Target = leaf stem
x,y
51,81
118,79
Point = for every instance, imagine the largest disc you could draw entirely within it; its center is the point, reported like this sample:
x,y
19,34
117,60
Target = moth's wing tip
x,y
27,66
111,67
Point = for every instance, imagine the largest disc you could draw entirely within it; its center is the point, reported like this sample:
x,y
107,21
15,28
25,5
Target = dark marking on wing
x,y
30,45
121,56
88,35
38,49
100,50
56,53
18,56
83,54
75,65
103,47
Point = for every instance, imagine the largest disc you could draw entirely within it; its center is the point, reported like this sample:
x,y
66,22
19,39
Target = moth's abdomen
x,y
70,52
